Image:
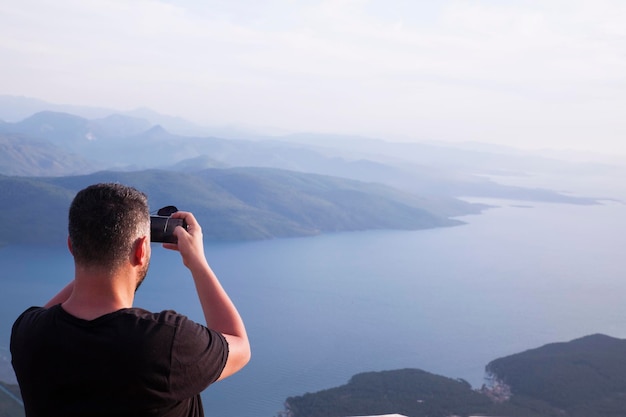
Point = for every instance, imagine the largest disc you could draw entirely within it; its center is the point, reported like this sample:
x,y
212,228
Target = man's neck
x,y
97,293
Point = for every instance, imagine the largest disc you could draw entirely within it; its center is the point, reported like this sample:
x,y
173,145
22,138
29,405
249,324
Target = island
x,y
585,377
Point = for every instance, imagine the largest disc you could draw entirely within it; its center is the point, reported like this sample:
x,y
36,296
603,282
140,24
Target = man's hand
x,y
190,243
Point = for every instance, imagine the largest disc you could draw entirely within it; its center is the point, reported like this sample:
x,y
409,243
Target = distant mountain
x,y
25,156
181,126
585,377
17,108
52,144
127,143
73,132
232,204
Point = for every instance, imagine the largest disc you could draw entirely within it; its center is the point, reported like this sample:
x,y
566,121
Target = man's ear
x,y
69,245
141,254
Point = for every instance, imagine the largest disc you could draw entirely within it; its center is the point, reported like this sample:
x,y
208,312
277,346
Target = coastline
x,y
4,389
7,375
9,388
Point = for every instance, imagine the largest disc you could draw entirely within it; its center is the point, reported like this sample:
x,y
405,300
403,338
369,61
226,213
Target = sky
x,y
531,74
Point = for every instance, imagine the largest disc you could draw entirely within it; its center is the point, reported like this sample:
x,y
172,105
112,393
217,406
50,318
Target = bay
x,y
319,310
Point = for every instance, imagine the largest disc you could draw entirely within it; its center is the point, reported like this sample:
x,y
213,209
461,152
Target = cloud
x,y
527,72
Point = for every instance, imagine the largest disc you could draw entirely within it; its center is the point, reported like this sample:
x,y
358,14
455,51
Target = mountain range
x,y
251,187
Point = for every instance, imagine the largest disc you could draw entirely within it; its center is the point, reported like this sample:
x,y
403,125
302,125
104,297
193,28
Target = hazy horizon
x,y
526,74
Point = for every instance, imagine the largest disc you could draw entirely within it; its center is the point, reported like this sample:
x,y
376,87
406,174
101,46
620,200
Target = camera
x,y
162,225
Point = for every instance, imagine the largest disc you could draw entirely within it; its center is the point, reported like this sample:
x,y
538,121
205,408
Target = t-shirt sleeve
x,y
198,358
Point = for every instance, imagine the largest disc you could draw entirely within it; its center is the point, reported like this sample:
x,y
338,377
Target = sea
x,y
319,310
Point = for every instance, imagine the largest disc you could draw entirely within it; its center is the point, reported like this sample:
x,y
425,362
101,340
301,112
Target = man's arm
x,y
219,311
62,296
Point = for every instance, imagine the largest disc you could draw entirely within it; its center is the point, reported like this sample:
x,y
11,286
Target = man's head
x,y
106,222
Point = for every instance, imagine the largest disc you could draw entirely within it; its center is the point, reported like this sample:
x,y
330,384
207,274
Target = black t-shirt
x,y
127,363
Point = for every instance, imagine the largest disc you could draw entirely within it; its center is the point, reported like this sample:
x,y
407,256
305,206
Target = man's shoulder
x,y
34,310
166,317
183,329
33,321
32,313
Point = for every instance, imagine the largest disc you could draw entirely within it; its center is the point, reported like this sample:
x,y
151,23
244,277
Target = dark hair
x,y
105,221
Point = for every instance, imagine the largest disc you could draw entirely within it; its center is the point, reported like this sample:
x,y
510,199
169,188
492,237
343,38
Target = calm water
x,y
319,310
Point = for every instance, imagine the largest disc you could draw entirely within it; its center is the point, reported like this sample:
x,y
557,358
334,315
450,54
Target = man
x,y
88,352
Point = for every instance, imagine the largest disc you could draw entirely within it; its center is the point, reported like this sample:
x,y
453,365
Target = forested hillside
x,y
584,377
232,204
